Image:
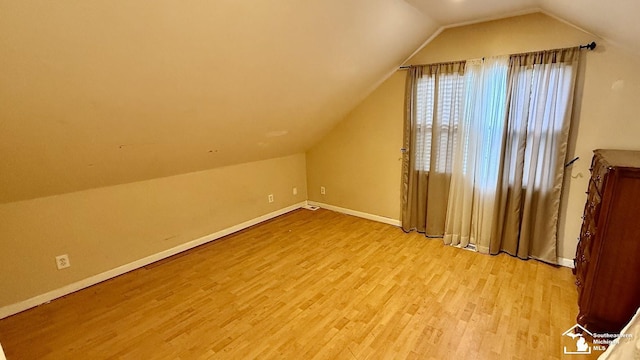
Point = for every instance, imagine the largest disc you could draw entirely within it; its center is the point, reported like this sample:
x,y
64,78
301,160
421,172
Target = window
x,y
537,116
492,136
439,111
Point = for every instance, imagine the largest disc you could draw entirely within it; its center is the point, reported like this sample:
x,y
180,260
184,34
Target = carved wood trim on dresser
x,y
607,263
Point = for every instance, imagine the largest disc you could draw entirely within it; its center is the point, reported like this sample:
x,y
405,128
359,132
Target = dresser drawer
x,y
583,251
580,284
599,169
587,239
592,206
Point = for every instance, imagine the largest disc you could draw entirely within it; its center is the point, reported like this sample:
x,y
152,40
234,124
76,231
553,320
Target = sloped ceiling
x,y
97,93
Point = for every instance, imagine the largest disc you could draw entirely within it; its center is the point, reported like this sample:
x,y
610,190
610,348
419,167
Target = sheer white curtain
x,y
476,163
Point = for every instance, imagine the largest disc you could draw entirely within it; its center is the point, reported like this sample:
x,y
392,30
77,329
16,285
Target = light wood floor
x,y
310,285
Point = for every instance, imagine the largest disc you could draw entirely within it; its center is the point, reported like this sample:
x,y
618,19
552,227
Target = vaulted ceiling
x,y
107,92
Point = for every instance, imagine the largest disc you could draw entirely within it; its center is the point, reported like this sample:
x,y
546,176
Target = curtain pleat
x,y
409,176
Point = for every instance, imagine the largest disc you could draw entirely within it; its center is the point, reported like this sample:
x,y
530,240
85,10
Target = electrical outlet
x,y
270,198
295,191
62,261
323,191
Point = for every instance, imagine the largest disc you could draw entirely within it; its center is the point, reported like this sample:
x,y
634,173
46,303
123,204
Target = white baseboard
x,y
565,262
68,289
361,214
12,309
561,261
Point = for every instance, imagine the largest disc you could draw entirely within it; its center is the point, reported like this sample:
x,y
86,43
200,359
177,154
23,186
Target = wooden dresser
x,y
607,263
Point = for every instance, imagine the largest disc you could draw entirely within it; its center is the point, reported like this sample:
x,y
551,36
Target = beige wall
x,y
359,162
367,178
104,228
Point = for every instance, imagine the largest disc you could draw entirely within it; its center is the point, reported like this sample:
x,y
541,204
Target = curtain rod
x,y
590,46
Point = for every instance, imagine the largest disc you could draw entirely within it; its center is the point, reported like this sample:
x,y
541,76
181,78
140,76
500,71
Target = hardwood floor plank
x,y
310,285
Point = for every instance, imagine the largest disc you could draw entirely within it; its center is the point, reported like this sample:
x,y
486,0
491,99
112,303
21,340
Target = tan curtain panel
x,y
429,143
539,102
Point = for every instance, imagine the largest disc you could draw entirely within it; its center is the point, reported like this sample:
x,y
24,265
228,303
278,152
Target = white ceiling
x,y
447,12
614,20
97,93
